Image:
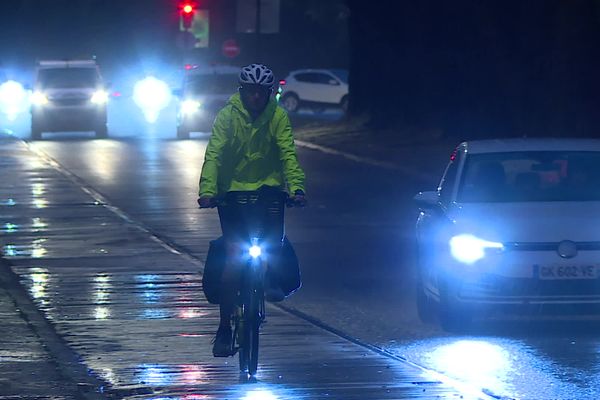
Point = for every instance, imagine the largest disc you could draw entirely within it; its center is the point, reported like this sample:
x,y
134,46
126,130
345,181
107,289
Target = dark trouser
x,y
243,216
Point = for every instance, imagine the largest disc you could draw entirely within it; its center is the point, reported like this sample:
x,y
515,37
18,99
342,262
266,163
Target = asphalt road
x,y
355,243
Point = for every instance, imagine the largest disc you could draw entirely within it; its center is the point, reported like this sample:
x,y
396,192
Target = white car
x,y
315,88
68,96
513,224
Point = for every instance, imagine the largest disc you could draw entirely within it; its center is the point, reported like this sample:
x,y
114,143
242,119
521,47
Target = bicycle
x,y
250,312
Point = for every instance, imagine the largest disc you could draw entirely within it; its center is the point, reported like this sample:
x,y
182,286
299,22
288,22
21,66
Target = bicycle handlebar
x,y
219,201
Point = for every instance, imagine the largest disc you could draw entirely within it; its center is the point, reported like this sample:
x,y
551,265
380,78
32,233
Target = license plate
x,y
568,272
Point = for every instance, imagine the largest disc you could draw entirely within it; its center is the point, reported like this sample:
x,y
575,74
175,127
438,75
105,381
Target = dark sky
x,y
116,31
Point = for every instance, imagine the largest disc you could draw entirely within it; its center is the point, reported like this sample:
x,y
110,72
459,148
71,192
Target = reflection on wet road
x,y
91,272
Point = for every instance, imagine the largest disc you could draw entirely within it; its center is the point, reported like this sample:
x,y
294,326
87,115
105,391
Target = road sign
x,y
230,48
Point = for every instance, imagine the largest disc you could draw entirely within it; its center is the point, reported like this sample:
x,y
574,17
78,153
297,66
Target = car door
x,y
331,88
306,86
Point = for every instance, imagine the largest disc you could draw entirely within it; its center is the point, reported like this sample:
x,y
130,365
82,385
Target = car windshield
x,y
212,84
341,73
531,176
68,77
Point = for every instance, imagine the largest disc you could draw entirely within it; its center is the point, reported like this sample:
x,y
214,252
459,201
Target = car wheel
x,y
290,102
425,307
182,133
344,104
101,132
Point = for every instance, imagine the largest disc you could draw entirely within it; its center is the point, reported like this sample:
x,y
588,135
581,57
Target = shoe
x,y
222,342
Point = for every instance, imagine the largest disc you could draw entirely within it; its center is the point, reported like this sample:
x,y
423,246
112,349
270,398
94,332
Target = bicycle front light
x,y
255,251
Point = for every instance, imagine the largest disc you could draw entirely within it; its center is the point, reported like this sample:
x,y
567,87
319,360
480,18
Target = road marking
x,y
364,160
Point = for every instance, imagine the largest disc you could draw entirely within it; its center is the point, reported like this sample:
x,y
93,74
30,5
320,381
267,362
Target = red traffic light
x,y
188,8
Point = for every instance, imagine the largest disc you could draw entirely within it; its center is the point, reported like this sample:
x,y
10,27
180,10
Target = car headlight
x,y
255,251
190,106
39,98
469,249
100,97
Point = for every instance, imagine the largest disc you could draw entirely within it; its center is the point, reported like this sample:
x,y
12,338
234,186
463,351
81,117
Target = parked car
x,y
204,91
513,224
68,96
317,88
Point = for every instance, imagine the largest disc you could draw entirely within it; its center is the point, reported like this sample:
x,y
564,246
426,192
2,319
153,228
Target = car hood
x,y
528,222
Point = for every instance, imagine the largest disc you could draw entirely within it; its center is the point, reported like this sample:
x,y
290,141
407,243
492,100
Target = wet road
x,y
354,242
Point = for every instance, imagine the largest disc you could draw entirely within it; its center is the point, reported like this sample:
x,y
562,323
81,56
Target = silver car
x,y
513,224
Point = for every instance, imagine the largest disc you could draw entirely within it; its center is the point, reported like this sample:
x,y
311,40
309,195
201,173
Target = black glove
x,y
206,202
299,199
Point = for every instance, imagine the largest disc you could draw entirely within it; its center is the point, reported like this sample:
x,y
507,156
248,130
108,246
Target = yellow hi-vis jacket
x,y
245,155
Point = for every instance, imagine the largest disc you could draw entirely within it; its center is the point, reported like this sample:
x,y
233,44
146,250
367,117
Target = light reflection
x,y
154,375
38,189
35,250
8,202
192,374
38,224
108,375
10,227
40,203
101,295
104,158
477,361
155,313
10,250
150,294
39,283
260,394
101,312
189,312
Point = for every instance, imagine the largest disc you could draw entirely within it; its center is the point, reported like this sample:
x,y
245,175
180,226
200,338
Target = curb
x,y
68,363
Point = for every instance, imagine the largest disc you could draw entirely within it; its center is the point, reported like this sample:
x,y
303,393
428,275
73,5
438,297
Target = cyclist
x,y
251,149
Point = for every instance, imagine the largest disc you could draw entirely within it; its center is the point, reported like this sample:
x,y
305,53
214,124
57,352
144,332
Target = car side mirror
x,y
427,200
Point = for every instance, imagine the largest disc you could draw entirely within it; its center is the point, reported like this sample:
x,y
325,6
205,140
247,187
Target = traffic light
x,y
186,15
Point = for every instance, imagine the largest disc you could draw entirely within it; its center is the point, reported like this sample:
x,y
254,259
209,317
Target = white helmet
x,y
257,74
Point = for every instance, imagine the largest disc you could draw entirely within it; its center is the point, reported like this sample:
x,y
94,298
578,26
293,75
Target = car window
x,y
531,176
314,77
68,78
306,77
342,74
448,182
211,84
326,79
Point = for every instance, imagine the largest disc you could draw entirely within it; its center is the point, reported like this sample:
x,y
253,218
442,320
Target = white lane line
x,y
364,160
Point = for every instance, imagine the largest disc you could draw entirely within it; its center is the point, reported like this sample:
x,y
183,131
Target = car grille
x,y
70,102
500,287
548,246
